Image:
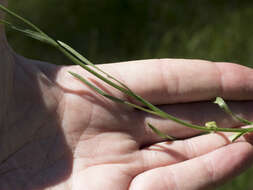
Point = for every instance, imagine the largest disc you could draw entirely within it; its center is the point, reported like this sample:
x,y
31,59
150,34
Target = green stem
x,y
6,10
80,60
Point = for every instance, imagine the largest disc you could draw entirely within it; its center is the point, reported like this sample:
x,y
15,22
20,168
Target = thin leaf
x,y
85,60
77,61
125,89
8,11
32,34
161,134
95,88
115,99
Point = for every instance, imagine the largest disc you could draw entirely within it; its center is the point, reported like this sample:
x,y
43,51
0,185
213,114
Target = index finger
x,y
165,81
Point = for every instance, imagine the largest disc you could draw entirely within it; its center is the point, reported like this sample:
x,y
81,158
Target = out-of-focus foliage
x,y
120,30
117,30
243,182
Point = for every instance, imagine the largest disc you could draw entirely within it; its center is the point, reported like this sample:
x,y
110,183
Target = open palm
x,y
57,133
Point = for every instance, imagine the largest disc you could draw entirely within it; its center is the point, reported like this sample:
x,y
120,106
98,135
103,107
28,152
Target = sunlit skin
x,y
58,134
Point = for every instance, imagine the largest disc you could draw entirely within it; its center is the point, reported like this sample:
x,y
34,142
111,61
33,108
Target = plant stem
x,y
78,59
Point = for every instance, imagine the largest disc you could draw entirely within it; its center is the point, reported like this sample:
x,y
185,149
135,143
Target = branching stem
x,y
80,60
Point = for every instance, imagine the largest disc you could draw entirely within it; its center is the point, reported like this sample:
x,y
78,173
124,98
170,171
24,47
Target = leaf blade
x,y
160,133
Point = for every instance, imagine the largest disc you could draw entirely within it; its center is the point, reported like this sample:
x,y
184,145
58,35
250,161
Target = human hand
x,y
56,133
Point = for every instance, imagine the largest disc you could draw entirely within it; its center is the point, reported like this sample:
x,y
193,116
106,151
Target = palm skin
x,y
58,134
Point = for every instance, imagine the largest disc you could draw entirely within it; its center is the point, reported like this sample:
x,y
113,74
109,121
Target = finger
x,y
167,153
199,173
165,81
177,80
194,113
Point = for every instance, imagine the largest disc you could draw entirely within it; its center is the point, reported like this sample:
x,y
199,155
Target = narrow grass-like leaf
x,y
85,60
73,54
77,61
125,89
37,36
128,92
160,133
29,33
8,11
115,99
223,105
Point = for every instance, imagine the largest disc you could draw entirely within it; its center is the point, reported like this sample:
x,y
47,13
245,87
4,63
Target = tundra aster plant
x,y
211,126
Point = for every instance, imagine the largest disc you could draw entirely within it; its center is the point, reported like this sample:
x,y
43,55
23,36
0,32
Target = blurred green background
x,y
121,30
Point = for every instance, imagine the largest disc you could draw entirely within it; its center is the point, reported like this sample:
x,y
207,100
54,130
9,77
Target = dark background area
x,y
121,30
